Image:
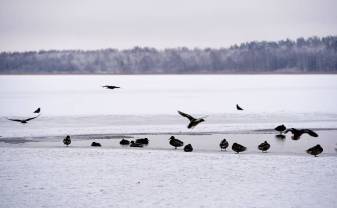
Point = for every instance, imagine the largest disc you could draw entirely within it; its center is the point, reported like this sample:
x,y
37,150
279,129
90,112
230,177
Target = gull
x,y
193,121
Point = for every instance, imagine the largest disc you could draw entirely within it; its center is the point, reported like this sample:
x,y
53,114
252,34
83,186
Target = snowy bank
x,y
96,177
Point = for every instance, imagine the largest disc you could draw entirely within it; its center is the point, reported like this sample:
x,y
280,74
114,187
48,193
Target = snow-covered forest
x,y
311,55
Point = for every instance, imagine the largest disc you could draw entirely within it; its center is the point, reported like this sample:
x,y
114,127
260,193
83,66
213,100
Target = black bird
x,y
175,142
193,121
23,121
67,140
297,133
124,142
95,144
280,128
264,146
315,150
238,148
37,110
134,144
144,141
238,107
111,87
188,148
223,144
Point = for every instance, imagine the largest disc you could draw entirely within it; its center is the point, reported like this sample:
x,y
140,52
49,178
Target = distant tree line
x,y
311,55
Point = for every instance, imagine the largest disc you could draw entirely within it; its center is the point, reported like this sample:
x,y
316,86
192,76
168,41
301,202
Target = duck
x,y
223,144
188,148
315,150
95,144
124,142
297,133
144,141
280,128
175,142
193,121
238,148
134,144
264,146
67,140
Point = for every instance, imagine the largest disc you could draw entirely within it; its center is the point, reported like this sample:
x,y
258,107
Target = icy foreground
x,y
89,177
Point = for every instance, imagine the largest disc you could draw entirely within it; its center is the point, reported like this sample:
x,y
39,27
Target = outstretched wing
x,y
291,130
310,132
17,120
186,115
37,110
28,119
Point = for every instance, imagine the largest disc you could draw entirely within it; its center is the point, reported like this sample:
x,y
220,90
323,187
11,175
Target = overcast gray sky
x,y
84,24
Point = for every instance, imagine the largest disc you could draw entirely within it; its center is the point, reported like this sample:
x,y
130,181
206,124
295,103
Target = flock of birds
x,y
193,122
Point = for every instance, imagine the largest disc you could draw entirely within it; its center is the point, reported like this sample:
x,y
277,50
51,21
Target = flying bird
x,y
315,150
111,87
175,142
297,133
238,107
67,140
188,148
223,144
37,110
264,146
193,121
23,121
238,148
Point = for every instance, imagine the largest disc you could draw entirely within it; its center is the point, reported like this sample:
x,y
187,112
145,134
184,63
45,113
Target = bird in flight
x,y
297,133
193,121
238,107
23,121
37,110
111,87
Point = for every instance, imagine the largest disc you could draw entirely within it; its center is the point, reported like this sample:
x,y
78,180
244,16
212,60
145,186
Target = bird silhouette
x,y
280,128
95,144
37,110
144,141
188,148
111,87
67,140
264,146
223,144
124,142
315,150
297,133
238,107
193,121
175,142
134,144
238,148
23,121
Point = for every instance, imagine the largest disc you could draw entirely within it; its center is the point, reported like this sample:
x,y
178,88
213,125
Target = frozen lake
x,y
77,104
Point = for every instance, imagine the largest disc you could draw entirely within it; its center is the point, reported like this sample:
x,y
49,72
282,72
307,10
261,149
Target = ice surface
x,y
77,104
91,177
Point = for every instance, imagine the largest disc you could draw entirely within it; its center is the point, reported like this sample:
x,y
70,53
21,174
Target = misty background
x,y
178,36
